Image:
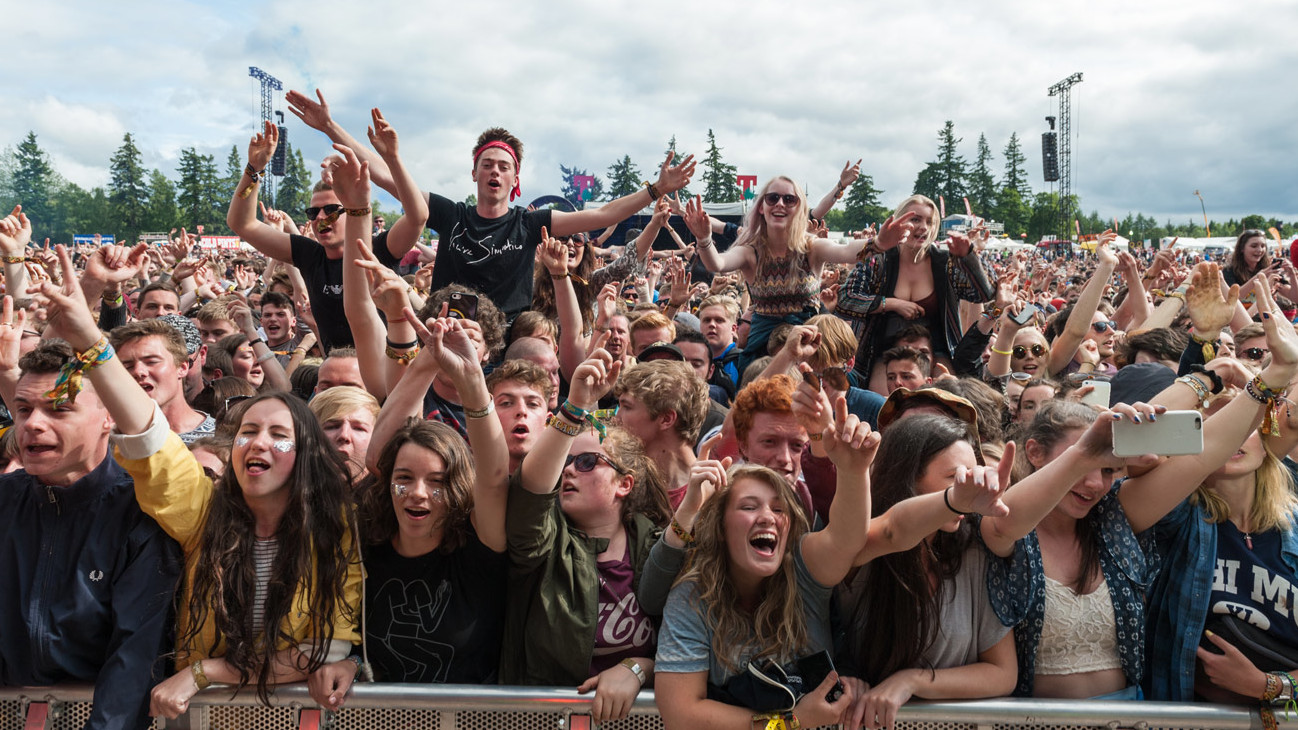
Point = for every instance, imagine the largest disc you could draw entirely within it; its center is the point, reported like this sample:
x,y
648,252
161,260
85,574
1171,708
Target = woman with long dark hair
x,y
274,577
1252,256
918,621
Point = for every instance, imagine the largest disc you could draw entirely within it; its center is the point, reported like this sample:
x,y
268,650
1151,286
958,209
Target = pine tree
x,y
128,190
861,206
952,175
199,191
982,187
1015,175
623,178
719,184
162,214
294,192
573,194
233,173
33,182
929,181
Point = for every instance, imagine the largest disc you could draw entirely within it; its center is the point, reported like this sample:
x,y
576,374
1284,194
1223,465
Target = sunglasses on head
x,y
1104,326
1255,353
233,401
315,210
1037,350
774,198
585,462
835,377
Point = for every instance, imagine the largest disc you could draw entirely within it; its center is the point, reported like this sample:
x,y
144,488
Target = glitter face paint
x,y
283,446
242,441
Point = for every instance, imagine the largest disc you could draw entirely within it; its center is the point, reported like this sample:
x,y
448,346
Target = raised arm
x,y
907,523
845,179
457,356
1148,498
315,114
406,399
351,183
736,258
242,216
572,328
414,204
851,445
15,234
670,179
276,378
1066,344
590,382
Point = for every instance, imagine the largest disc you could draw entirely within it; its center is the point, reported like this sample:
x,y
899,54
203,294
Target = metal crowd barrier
x,y
474,707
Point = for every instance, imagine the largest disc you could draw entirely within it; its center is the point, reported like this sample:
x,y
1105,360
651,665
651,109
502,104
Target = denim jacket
x,y
1180,597
1017,586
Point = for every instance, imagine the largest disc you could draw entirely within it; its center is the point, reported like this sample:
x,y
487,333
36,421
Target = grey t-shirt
x,y
967,625
685,639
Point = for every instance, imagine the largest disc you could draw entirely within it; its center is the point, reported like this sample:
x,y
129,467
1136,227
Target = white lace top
x,y
1079,633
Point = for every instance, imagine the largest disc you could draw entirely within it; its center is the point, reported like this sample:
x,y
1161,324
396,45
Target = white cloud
x,y
1176,96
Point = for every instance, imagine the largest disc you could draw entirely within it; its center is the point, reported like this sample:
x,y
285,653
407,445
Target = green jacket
x,y
554,589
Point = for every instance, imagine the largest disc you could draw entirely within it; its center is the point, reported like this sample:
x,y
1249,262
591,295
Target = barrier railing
x,y
465,707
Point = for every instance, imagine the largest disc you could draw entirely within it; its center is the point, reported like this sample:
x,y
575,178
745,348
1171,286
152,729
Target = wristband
x,y
15,259
268,356
635,668
946,497
653,191
686,536
200,677
254,175
403,345
1006,353
1217,384
357,211
563,427
254,341
402,358
482,412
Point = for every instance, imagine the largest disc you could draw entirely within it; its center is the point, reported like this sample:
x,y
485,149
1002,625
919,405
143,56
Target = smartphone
x,y
1022,318
1100,395
462,306
814,669
1174,433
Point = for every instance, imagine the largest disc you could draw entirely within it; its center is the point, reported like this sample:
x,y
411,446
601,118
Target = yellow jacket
x,y
173,490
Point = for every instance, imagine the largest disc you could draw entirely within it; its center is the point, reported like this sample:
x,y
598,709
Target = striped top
x,y
263,558
785,285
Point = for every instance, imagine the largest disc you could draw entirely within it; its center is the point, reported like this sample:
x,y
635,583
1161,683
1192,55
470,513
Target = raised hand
x,y
15,233
1210,309
802,343
389,291
979,489
674,177
696,220
65,306
454,349
1102,250
315,114
11,335
849,174
262,146
115,264
594,377
959,245
351,179
383,138
850,442
553,254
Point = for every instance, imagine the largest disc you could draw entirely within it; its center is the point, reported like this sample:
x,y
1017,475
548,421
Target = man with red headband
x,y
491,247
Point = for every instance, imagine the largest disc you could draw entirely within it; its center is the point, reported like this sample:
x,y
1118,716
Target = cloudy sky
x,y
1177,95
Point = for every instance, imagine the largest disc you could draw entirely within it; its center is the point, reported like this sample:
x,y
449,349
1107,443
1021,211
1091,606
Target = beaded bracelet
x,y
685,535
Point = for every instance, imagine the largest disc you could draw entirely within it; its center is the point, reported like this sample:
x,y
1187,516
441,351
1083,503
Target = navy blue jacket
x,y
86,583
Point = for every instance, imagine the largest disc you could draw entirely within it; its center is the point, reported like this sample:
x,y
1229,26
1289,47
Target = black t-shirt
x,y
324,284
1252,583
492,255
435,618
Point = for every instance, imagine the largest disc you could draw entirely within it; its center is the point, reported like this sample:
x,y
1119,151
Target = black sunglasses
x,y
1104,326
585,462
774,198
1021,351
1254,353
315,210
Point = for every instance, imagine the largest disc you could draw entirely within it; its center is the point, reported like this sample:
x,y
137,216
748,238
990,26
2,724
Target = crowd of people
x,y
782,478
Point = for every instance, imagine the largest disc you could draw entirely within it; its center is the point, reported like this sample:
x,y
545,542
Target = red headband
x,y
497,143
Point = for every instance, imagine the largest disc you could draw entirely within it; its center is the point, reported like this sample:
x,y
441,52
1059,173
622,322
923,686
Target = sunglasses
x,y
835,377
315,210
586,462
1037,350
788,199
1104,326
233,401
1255,353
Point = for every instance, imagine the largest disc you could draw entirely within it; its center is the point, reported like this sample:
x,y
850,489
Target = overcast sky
x,y
1177,96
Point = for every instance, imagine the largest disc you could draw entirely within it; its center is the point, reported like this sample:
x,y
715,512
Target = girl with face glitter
x,y
274,578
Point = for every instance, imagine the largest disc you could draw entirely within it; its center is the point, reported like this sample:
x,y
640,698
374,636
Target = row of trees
x,y
136,199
